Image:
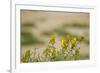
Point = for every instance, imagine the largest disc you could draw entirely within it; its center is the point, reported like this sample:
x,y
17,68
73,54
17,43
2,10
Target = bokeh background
x,y
38,26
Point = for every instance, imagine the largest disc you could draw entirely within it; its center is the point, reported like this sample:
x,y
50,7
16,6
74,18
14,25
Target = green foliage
x,y
28,39
76,25
61,32
47,33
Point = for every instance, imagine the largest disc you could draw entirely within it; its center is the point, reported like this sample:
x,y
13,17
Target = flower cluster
x,y
69,50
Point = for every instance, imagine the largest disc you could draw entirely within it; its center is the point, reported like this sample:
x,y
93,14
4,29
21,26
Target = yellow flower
x,y
63,44
53,50
73,41
52,39
67,38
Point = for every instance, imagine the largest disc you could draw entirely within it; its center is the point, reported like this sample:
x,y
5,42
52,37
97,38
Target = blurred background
x,y
38,26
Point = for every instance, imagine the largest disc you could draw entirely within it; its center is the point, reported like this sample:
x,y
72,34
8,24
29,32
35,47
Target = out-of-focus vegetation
x,y
69,50
27,38
28,24
75,24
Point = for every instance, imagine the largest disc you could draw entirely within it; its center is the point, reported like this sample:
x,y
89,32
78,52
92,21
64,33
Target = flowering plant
x,y
69,50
